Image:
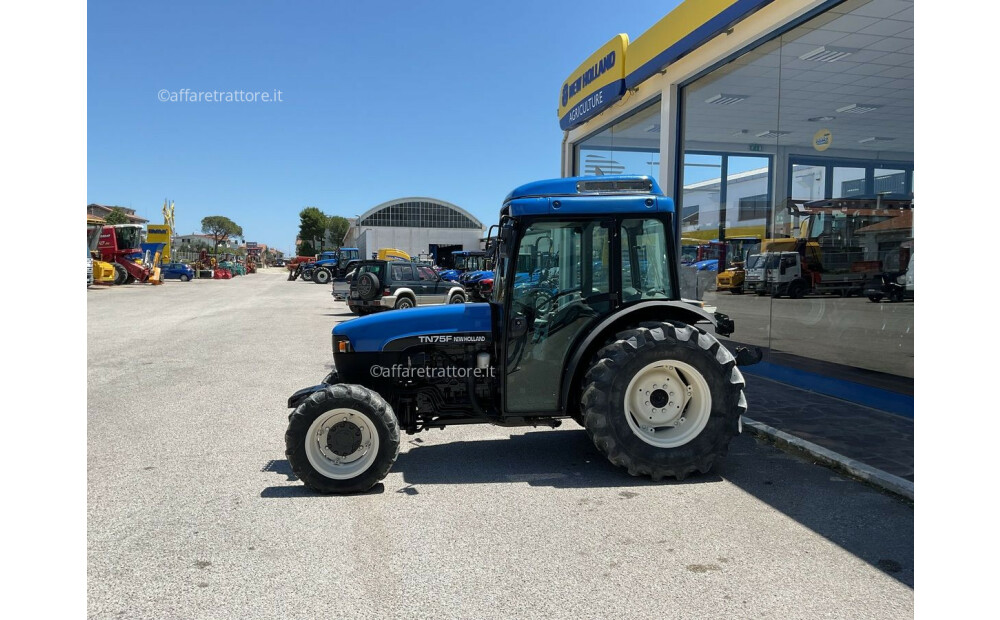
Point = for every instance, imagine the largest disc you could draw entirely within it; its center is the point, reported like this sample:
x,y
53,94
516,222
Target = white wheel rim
x,y
341,466
667,403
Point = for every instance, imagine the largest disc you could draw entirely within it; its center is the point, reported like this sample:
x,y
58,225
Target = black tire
x,y
130,279
121,275
896,296
322,276
761,293
456,298
363,401
875,298
736,291
609,376
184,277
307,276
354,309
368,286
797,289
404,302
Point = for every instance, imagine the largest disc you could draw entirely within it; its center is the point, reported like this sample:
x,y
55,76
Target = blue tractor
x,y
331,265
613,347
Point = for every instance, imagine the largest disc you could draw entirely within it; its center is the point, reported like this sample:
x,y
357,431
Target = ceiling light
x,y
723,99
827,53
858,108
875,140
773,133
653,128
740,132
817,119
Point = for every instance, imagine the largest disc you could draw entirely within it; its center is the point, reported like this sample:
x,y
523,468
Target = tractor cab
x,y
584,321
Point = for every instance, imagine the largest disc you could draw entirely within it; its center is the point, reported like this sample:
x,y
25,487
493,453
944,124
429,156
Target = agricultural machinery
x,y
612,346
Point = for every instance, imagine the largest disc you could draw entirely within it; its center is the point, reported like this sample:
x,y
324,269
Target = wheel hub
x,y
344,438
658,398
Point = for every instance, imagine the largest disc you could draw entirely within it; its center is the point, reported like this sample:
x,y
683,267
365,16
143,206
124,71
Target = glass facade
x,y
630,146
798,155
420,214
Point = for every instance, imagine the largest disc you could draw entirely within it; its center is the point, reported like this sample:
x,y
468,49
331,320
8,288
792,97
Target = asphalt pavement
x,y
193,511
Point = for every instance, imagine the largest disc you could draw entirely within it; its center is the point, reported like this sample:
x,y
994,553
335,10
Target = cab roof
x,y
592,195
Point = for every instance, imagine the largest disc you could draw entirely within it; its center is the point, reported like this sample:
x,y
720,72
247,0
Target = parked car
x,y
386,285
178,271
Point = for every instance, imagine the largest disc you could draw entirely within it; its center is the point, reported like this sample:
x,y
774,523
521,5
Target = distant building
x,y
418,226
102,211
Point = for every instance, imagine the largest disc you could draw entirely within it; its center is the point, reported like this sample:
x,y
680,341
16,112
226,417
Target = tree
x,y
220,228
117,216
337,226
306,249
312,225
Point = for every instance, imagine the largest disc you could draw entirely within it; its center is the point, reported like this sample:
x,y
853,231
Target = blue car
x,y
176,271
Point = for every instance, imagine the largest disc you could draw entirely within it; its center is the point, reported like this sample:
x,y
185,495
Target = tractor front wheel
x,y
121,276
342,439
663,399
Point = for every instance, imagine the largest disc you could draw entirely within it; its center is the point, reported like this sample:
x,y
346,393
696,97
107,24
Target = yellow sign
x,y
159,233
595,85
823,139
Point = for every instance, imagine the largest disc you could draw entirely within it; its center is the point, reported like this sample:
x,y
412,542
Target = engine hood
x,y
374,332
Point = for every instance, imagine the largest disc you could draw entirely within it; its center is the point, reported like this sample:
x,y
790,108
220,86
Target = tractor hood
x,y
374,333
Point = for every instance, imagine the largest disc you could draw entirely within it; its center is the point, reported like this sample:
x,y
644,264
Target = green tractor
x,y
614,348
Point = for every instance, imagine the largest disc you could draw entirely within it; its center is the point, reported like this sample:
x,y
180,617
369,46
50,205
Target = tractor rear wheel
x,y
322,276
663,399
342,439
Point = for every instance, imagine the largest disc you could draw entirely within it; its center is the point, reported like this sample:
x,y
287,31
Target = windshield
x,y
755,261
772,261
128,237
346,255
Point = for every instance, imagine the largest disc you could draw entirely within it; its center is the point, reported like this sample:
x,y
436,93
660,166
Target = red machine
x,y
121,245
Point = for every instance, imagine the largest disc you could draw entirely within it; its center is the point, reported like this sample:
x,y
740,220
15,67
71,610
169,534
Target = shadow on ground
x,y
874,526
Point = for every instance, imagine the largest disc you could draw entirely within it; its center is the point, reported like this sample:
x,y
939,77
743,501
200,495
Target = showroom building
x,y
422,227
771,120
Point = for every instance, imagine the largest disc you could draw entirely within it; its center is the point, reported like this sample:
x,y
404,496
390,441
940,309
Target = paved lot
x,y
193,511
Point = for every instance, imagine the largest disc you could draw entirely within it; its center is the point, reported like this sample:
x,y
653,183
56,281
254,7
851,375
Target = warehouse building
x,y
749,113
420,226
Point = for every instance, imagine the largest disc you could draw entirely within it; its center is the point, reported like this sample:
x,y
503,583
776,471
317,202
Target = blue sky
x,y
454,100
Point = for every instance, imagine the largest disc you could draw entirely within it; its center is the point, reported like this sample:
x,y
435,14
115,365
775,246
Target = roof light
x,y
858,108
612,186
772,133
827,53
724,99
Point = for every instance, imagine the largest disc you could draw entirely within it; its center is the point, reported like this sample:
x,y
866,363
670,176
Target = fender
x,y
456,289
679,310
399,292
296,399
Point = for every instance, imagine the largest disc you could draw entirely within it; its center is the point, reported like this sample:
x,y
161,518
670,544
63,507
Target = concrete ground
x,y
193,511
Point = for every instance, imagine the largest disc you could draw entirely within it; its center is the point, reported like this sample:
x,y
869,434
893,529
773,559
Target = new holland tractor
x,y
614,347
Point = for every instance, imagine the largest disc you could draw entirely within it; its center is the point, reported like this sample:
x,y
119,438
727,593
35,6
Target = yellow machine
x,y
392,254
104,272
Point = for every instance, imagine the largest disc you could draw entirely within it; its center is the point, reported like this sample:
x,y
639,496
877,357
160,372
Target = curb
x,y
876,477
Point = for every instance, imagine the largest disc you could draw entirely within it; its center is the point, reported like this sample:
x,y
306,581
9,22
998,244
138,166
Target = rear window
x,y
377,268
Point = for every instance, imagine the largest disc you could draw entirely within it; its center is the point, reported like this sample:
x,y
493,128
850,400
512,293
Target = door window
x,y
561,290
644,260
